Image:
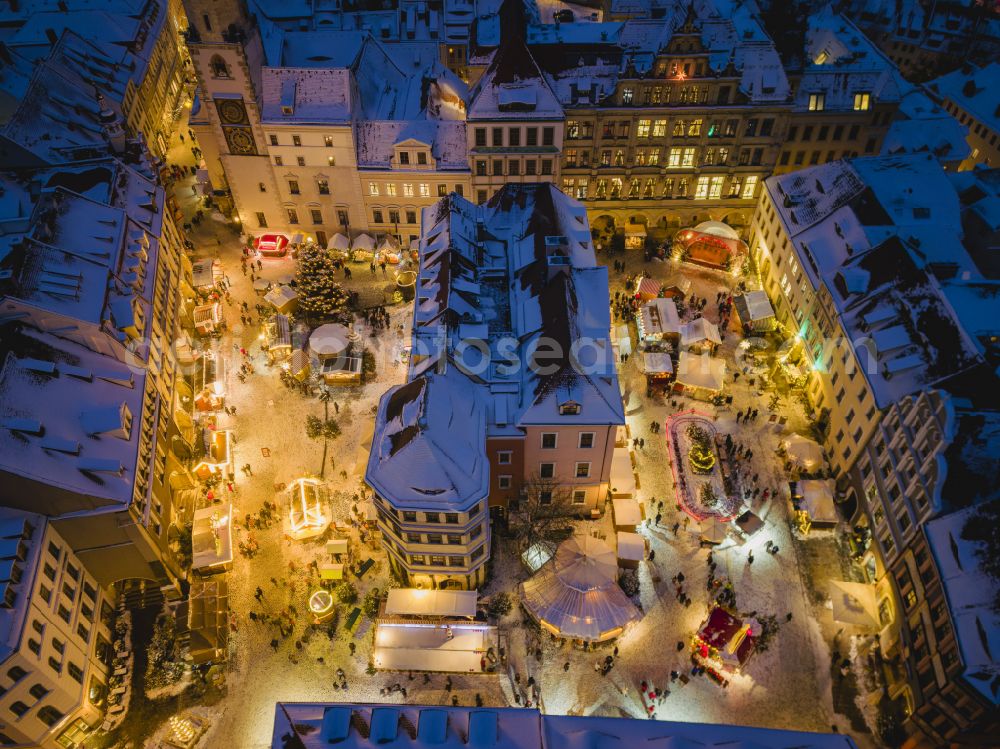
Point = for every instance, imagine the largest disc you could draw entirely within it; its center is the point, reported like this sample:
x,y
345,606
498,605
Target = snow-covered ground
x,y
788,686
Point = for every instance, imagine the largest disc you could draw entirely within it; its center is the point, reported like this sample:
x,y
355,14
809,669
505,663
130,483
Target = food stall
x,y
208,318
278,338
212,539
271,245
635,236
755,312
658,322
284,299
723,644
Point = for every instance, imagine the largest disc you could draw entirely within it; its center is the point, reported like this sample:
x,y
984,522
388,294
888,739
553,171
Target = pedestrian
x,y
260,265
658,518
680,645
259,593
652,556
750,558
566,666
788,616
676,528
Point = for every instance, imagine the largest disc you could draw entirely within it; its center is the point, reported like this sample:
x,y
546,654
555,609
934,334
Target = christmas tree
x,y
320,296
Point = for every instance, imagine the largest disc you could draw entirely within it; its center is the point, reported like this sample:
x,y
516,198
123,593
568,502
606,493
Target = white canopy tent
x,y
657,363
803,452
329,340
577,594
701,372
817,500
363,242
338,242
627,513
631,547
699,332
436,603
854,603
622,474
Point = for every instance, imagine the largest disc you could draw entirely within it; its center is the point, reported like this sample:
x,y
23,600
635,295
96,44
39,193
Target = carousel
x,y
306,517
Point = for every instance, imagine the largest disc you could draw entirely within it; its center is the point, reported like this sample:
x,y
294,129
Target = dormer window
x,y
569,408
422,158
404,157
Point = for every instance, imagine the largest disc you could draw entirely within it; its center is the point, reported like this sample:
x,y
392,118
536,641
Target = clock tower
x,y
227,53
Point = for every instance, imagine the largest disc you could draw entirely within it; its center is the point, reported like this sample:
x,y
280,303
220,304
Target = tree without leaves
x,y
543,514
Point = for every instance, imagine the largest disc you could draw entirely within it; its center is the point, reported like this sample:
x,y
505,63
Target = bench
x,y
352,618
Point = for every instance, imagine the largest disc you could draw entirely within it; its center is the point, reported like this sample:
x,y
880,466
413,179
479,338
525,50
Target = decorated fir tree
x,y
320,296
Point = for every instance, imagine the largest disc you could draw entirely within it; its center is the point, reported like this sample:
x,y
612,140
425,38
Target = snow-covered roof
x,y
701,371
353,726
921,125
513,87
312,95
88,247
518,271
52,406
700,330
843,62
870,230
376,142
974,90
971,594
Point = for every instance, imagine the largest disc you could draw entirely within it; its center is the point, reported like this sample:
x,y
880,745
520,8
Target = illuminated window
x,y
659,128
701,188
425,190
750,187
373,188
390,189
407,190
643,128
817,102
862,102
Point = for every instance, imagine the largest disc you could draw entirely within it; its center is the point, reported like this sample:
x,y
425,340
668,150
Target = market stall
x,y
431,603
723,644
454,646
635,236
208,621
208,318
388,251
363,248
278,338
631,549
755,312
658,322
218,458
329,341
623,481
814,504
339,245
658,368
628,514
206,273
803,453
271,245
700,375
298,365
307,516
647,289
212,539
577,594
284,299
700,336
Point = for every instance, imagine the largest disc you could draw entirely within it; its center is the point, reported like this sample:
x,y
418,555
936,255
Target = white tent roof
x,y
703,371
581,600
338,242
584,563
329,339
414,602
817,500
717,229
659,317
363,242
803,451
854,603
758,305
657,362
622,475
626,511
699,330
631,546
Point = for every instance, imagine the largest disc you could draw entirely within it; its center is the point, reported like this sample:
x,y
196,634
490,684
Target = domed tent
x,y
576,594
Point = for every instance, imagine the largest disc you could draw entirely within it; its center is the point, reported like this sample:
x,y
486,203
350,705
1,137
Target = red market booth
x,y
724,643
710,243
271,245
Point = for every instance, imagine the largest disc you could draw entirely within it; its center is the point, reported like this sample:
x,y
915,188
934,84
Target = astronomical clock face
x,y
240,141
232,112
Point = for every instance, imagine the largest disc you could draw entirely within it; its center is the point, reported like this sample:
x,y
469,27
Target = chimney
x,y
112,126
